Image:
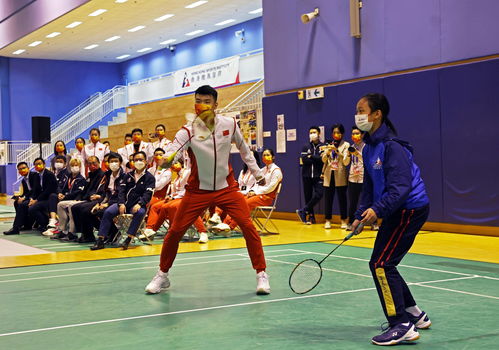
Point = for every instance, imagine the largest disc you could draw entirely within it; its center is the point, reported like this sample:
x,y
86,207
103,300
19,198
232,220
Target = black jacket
x,y
62,178
72,189
111,197
46,185
311,160
132,193
34,182
94,184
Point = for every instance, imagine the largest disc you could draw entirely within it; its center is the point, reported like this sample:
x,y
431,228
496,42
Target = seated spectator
x,y
138,145
166,209
162,141
259,195
91,215
39,204
107,144
134,195
94,148
162,176
28,190
60,170
68,194
59,150
93,194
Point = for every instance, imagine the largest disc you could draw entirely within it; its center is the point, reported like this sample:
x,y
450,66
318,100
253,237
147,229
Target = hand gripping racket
x,y
308,273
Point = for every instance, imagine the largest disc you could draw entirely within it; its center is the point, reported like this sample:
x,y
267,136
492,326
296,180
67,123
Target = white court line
x,y
409,266
455,291
134,263
445,280
131,269
185,311
324,268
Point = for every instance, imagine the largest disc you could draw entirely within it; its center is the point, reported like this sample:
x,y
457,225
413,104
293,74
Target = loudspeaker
x,y
40,129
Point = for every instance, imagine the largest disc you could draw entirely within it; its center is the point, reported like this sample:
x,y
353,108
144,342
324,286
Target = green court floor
x,y
212,305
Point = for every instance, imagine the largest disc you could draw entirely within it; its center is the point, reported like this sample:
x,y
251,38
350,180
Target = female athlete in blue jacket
x,y
393,190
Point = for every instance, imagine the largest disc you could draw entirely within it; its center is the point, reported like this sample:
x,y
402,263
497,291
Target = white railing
x,y
77,121
10,149
249,100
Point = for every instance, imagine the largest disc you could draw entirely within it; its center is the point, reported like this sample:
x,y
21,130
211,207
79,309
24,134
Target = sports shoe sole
x,y
409,336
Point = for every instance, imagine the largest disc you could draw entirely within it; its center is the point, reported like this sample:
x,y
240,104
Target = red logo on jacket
x,y
226,132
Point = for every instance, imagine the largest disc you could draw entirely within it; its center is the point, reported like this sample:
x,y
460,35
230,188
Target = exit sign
x,y
314,93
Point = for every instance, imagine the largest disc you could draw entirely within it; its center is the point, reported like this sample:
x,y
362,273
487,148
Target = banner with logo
x,y
217,73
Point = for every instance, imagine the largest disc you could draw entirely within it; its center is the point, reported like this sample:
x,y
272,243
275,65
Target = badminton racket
x,y
308,273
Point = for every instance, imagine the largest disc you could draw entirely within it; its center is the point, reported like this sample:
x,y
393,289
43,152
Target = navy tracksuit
x,y
311,174
393,188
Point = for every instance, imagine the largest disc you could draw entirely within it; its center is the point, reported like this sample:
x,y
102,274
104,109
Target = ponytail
x,y
379,101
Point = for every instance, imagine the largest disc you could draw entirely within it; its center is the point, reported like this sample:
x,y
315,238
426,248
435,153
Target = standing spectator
x,y
335,158
38,206
122,151
311,170
78,153
355,173
94,148
138,145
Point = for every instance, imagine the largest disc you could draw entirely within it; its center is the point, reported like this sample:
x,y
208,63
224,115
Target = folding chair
x,y
122,223
261,216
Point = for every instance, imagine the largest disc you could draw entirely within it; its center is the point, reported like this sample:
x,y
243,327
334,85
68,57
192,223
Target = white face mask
x,y
114,166
362,122
58,166
139,165
75,169
313,136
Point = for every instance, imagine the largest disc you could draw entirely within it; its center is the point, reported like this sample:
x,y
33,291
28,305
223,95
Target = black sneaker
x,y
60,236
311,218
70,238
12,231
302,215
126,243
99,244
397,334
421,322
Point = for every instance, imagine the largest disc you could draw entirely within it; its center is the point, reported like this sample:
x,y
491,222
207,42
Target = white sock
x,y
414,310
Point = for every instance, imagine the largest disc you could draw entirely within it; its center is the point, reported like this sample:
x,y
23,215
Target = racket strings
x,y
305,276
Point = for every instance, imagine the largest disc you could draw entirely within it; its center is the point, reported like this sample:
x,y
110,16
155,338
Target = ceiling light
x,y
113,38
90,47
74,24
98,12
144,49
120,1
195,32
254,12
169,41
53,35
35,43
122,56
225,22
18,52
134,29
196,4
162,18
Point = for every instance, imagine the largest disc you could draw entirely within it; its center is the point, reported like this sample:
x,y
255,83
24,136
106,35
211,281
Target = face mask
x,y
114,166
75,169
59,149
158,158
137,138
176,168
79,146
94,138
39,167
23,172
58,166
337,136
160,133
201,107
127,142
267,159
356,138
362,122
313,136
139,165
106,166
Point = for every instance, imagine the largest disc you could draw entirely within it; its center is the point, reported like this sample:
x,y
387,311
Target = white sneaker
x,y
222,227
327,225
160,281
52,223
262,283
203,237
215,219
147,233
344,224
49,232
375,227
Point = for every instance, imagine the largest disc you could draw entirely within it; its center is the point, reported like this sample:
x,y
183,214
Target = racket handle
x,y
355,232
